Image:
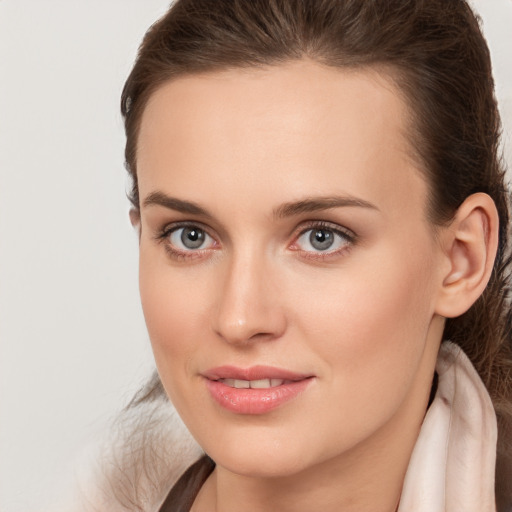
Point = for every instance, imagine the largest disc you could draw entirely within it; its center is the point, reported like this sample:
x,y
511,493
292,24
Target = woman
x,y
320,203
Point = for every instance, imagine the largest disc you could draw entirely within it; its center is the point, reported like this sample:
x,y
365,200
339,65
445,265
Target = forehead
x,y
296,126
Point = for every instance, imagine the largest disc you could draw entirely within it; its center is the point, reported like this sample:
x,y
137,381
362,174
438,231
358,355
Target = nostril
x,y
244,331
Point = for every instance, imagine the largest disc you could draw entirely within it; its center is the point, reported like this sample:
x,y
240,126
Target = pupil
x,y
192,238
321,239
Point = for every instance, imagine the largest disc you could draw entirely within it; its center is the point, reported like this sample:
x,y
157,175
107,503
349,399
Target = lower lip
x,y
255,401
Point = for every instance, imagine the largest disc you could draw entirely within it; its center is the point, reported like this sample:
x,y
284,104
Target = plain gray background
x,y
73,346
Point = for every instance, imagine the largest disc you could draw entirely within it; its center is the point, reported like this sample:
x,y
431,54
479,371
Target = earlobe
x,y
470,244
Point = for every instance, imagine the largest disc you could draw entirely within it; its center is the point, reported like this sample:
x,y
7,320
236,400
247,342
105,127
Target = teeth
x,y
260,384
235,383
253,384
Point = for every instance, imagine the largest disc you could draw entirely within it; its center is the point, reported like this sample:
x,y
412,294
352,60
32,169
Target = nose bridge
x,y
246,306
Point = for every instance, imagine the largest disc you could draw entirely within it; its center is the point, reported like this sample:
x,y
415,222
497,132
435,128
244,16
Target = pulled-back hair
x,y
438,58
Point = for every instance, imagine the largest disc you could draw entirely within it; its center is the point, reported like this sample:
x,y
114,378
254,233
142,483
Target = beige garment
x,y
453,462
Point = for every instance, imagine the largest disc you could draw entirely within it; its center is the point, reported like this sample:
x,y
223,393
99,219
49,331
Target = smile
x,y
256,390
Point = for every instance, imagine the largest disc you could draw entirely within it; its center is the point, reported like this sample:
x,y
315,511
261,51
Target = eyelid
x,y
173,226
163,234
338,229
324,224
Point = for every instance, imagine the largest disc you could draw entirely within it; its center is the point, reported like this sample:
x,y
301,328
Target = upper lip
x,y
253,373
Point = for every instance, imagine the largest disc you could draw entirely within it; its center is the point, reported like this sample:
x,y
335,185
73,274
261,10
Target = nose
x,y
249,305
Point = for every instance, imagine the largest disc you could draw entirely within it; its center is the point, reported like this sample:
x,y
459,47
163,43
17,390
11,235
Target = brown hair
x,y
438,58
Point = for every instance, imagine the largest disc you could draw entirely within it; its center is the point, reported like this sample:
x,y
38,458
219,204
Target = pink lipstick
x,y
254,390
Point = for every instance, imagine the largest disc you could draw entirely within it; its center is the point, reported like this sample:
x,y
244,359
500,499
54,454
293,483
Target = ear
x,y
470,243
135,220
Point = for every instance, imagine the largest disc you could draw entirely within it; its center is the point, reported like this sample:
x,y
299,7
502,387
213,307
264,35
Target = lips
x,y
254,390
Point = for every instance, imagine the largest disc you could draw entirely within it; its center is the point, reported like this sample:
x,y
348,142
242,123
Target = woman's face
x,y
288,274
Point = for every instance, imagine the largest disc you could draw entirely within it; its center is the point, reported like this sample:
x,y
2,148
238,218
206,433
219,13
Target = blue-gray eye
x,y
190,238
322,240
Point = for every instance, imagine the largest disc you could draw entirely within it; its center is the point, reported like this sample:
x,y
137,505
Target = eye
x,y
189,238
323,239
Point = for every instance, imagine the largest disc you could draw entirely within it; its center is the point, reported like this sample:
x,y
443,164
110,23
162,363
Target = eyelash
x,y
176,254
349,237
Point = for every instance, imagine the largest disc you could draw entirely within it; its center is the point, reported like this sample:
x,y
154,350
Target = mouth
x,y
255,390
254,384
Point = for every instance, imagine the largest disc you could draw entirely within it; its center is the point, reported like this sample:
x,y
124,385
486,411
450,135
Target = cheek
x,y
173,306
371,325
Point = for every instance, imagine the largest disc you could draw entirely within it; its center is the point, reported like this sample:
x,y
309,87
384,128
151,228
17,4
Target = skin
x,y
365,318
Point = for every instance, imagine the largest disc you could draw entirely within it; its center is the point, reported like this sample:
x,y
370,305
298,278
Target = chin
x,y
261,453
261,464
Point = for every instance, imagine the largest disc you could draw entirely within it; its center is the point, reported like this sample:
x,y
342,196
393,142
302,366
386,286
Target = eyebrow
x,y
161,199
307,205
315,204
